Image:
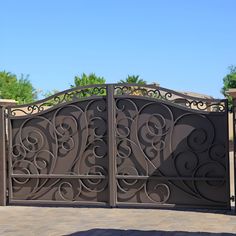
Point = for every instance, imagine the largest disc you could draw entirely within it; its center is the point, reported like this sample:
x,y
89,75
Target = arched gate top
x,y
121,90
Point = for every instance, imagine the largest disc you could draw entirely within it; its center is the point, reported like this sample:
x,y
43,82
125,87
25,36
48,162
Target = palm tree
x,y
133,79
134,90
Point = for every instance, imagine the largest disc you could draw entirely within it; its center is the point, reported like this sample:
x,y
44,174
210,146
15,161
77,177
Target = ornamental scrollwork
x,y
165,147
181,99
67,147
162,149
68,96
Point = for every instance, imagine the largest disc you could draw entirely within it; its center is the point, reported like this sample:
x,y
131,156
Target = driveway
x,y
27,221
19,220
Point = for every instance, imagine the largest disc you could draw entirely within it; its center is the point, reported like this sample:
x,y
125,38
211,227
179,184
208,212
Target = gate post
x,y
232,93
2,158
111,145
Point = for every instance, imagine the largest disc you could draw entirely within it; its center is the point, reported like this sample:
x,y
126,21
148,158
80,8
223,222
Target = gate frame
x,y
111,149
3,172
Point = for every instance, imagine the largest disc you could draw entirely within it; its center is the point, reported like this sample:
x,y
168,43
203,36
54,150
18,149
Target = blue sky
x,y
183,45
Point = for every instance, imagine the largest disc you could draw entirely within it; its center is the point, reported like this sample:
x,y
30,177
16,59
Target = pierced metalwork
x,y
151,91
71,95
170,155
164,153
61,155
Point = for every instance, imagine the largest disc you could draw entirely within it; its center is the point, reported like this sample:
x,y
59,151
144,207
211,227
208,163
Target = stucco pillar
x,y
232,93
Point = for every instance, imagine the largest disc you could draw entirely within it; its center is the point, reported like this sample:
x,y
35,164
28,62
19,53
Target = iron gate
x,y
120,145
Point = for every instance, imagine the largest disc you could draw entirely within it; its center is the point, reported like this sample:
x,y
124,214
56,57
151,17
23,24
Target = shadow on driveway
x,y
118,232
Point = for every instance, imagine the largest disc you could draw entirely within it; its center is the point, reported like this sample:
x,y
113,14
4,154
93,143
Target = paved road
x,y
19,220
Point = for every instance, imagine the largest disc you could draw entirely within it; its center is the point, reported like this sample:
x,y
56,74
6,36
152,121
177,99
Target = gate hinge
x,y
7,193
232,198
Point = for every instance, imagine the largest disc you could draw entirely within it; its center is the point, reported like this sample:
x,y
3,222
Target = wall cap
x,y
6,102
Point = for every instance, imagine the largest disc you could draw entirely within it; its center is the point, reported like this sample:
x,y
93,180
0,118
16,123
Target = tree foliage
x,y
90,79
52,102
20,89
133,79
229,82
84,80
50,93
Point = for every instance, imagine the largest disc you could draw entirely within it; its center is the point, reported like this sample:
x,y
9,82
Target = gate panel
x,y
60,155
120,145
169,154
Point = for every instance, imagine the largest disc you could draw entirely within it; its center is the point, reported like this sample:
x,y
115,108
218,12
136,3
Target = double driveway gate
x,y
119,145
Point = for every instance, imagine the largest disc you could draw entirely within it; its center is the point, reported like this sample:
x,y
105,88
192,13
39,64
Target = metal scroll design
x,y
164,153
151,91
61,155
71,95
169,155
